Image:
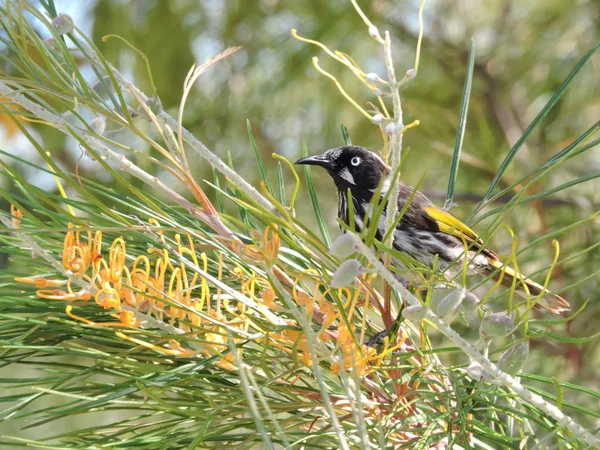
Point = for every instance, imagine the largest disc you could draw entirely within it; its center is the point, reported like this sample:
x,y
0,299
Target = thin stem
x,y
395,148
189,138
120,160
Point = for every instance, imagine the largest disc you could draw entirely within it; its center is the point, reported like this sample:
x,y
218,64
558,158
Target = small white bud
x,y
63,24
475,371
410,74
98,125
413,313
449,303
378,119
346,273
398,126
374,32
343,246
470,302
389,128
378,92
513,359
497,324
373,77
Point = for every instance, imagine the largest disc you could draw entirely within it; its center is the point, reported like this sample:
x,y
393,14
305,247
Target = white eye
x,y
355,161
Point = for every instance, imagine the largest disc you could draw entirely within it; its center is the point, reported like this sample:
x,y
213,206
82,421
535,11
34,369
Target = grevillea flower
x,y
167,286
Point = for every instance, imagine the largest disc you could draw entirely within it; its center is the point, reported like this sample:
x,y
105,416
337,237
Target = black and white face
x,y
351,167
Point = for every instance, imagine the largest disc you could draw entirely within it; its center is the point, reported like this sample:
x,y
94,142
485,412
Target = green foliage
x,y
239,342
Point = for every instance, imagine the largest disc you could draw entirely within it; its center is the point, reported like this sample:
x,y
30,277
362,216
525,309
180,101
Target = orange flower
x,y
306,359
153,288
267,249
17,215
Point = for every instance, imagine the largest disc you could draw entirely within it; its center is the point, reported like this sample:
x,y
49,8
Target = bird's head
x,y
352,166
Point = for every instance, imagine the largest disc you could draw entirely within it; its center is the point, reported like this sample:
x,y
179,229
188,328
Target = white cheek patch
x,y
384,188
346,175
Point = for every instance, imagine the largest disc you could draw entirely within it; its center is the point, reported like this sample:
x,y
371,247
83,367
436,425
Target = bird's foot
x,y
377,340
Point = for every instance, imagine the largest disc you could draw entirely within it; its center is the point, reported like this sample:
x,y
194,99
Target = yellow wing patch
x,y
449,224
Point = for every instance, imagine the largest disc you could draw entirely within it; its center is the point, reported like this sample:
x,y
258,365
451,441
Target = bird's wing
x,y
449,224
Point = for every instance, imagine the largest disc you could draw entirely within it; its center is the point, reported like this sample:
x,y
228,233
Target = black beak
x,y
316,160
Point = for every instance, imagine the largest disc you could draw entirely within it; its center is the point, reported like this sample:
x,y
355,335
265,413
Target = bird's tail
x,y
550,302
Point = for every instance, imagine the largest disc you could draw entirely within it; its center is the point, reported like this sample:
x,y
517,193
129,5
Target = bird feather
x,y
449,224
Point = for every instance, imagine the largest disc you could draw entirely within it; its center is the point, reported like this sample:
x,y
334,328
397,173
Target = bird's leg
x,y
377,340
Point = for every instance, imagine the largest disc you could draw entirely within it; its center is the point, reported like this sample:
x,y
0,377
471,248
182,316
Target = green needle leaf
x,y
259,160
513,151
346,135
462,122
315,201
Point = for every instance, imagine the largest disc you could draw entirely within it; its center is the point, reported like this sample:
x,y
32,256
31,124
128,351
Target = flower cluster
x,y
171,286
152,289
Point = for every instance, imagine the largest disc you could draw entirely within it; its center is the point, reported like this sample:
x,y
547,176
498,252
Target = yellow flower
x,y
267,249
306,359
17,215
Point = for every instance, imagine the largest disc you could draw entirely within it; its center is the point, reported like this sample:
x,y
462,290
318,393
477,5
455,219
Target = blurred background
x,y
525,49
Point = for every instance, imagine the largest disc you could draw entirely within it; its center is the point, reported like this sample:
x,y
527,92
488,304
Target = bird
x,y
425,232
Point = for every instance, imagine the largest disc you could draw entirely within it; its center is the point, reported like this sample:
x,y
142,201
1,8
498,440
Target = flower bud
x,y
63,24
513,359
475,371
410,74
374,32
497,324
346,273
378,92
470,302
449,303
98,125
344,246
389,128
398,126
413,313
377,119
373,77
